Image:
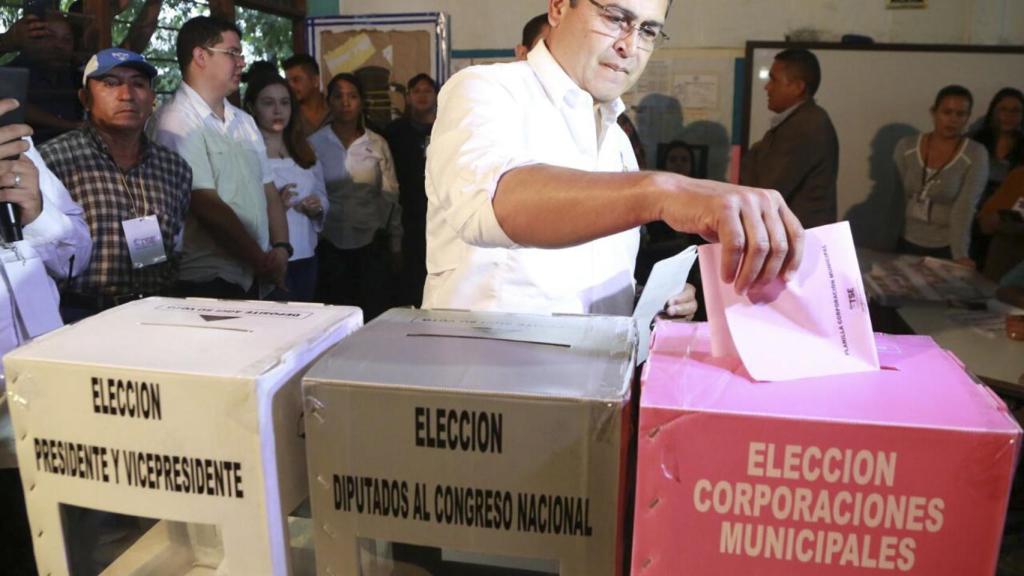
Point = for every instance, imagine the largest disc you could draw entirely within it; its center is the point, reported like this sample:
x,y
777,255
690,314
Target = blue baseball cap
x,y
106,60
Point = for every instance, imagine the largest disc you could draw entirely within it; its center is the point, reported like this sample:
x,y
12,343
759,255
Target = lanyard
x,y
131,196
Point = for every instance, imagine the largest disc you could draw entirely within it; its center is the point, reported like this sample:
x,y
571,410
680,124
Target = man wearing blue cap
x,y
135,192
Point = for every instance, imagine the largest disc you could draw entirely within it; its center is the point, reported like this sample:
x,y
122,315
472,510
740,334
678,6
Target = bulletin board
x,y
384,50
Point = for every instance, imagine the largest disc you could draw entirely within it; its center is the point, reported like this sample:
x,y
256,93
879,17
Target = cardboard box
x,y
906,470
179,421
441,442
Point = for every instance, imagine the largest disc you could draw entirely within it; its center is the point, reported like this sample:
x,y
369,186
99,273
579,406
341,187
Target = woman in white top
x,y
297,174
362,235
942,174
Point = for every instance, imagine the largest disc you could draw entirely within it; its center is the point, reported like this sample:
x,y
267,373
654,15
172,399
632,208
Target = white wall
x,y
492,24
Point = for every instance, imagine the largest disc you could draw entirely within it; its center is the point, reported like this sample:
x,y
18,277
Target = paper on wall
x,y
817,324
667,279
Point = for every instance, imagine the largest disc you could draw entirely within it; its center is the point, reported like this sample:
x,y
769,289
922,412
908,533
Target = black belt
x,y
98,302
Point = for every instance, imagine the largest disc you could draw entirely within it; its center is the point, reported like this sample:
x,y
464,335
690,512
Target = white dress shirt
x,y
57,235
492,119
362,188
303,231
228,156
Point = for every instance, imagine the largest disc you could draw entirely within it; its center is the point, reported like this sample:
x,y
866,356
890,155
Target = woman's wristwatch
x,y
287,247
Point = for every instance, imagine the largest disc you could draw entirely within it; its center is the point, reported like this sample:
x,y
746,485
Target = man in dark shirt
x,y
408,138
799,155
53,106
135,192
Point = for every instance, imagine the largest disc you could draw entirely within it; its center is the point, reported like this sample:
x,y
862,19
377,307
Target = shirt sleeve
x,y
389,188
473,144
966,203
185,137
320,190
60,234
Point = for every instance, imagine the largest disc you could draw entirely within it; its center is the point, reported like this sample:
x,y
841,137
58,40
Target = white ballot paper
x,y
817,324
667,279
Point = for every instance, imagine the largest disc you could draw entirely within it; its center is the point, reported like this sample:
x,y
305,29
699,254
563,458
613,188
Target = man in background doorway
x,y
408,138
799,155
303,75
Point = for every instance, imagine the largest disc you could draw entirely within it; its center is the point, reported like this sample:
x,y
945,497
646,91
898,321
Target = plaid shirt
x,y
160,184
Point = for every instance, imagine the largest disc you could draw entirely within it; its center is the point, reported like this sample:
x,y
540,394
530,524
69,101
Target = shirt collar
x,y
782,116
562,89
144,148
202,107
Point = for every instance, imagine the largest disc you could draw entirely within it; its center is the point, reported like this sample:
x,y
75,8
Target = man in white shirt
x,y
236,230
533,190
57,238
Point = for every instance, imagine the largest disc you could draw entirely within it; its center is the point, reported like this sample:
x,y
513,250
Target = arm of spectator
x,y
60,233
27,28
389,188
143,26
277,222
966,203
314,206
37,116
793,158
52,222
227,230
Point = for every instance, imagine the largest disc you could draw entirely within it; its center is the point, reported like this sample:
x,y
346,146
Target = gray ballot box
x,y
450,442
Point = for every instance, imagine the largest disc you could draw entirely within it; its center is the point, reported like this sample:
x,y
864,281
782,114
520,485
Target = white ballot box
x,y
445,442
166,436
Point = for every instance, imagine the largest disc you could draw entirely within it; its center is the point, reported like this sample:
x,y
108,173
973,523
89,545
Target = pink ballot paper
x,y
817,324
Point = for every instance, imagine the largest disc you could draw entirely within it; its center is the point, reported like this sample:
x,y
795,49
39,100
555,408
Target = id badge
x,y
31,289
1018,206
145,243
920,209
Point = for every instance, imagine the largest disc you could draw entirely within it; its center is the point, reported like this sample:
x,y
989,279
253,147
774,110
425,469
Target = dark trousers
x,y
216,288
357,277
905,247
301,280
16,556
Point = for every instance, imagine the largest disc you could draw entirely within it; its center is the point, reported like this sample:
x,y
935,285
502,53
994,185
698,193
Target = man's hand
x,y
761,238
682,305
24,30
19,177
275,267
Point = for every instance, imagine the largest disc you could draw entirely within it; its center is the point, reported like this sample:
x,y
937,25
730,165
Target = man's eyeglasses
x,y
620,23
233,52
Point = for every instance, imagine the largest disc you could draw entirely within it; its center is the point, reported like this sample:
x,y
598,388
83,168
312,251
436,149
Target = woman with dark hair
x,y
363,229
297,174
941,174
1002,134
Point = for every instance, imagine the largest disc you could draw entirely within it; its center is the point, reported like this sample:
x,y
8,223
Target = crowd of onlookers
x,y
297,195
294,195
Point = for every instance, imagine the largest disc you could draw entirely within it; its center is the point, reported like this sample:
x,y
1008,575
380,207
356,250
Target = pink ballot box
x,y
903,470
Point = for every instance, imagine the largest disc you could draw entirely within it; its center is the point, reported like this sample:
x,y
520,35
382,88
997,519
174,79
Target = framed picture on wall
x,y
384,51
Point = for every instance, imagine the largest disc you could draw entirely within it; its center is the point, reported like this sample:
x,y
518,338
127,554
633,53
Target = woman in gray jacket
x,y
941,174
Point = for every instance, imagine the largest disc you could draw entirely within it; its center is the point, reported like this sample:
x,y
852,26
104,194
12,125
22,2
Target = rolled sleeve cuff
x,y
478,223
50,226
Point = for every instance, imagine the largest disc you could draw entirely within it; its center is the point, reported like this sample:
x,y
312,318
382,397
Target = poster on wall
x,y
384,51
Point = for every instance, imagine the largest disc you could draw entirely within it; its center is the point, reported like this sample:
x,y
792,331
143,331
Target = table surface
x,y
991,356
